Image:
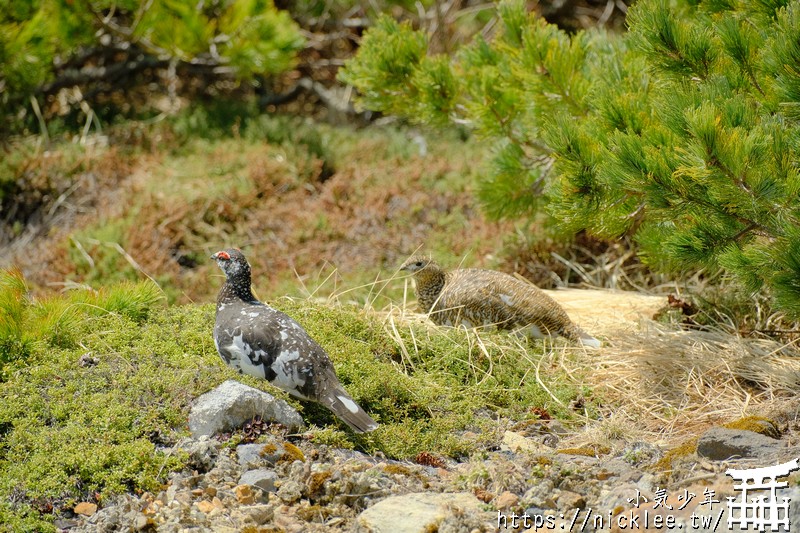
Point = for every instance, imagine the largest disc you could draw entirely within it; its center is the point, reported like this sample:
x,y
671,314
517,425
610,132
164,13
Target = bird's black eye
x,y
418,263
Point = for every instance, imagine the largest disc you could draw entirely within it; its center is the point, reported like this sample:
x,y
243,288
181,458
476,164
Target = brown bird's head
x,y
429,279
418,263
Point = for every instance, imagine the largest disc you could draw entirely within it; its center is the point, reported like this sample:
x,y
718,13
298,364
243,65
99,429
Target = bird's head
x,y
418,263
233,263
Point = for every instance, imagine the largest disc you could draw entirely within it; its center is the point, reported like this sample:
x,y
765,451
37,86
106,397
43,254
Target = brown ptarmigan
x,y
263,342
472,297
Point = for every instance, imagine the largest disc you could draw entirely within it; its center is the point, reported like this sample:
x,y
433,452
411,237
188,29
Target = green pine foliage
x,y
47,41
682,133
250,36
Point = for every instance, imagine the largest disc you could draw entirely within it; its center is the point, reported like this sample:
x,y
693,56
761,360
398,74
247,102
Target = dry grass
x,y
669,382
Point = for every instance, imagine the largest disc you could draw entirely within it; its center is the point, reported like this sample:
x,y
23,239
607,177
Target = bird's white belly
x,y
286,368
240,359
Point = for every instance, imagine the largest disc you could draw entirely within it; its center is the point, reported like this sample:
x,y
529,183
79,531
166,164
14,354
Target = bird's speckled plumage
x,y
263,342
472,297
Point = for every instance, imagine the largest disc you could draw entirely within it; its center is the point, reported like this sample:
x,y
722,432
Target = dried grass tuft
x,y
676,383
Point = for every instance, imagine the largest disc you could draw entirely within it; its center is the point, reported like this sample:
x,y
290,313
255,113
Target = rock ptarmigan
x,y
263,342
473,297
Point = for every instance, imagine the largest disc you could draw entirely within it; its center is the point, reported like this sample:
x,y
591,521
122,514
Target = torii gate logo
x,y
764,511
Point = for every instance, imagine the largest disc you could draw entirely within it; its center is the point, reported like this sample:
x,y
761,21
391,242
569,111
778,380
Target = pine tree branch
x,y
744,187
96,74
128,35
744,232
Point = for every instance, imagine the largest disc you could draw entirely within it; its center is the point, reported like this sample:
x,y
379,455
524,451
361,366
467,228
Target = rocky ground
x,y
284,482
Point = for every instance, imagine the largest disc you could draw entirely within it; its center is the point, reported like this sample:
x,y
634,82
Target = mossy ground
x,y
85,417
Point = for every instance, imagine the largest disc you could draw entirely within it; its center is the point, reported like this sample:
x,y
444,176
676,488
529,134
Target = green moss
x,y
314,513
317,480
683,450
292,453
592,450
757,424
71,430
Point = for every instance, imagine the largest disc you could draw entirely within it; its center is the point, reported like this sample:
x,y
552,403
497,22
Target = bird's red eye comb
x,y
222,255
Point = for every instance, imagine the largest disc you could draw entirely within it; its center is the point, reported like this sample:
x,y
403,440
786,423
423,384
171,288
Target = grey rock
x,y
719,444
569,501
250,455
418,512
540,495
232,404
255,455
259,513
202,452
290,491
261,478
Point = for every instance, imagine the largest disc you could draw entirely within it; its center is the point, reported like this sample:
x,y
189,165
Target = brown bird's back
x,y
472,297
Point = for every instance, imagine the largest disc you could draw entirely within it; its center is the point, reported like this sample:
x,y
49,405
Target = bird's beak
x,y
215,256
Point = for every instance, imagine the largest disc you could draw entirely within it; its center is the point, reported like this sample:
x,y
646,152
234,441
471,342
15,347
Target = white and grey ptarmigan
x,y
263,342
472,297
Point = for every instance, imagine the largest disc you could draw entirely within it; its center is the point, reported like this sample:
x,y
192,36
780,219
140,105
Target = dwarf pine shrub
x,y
682,133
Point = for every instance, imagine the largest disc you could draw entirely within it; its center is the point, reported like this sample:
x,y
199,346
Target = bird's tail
x,y
342,404
589,341
576,334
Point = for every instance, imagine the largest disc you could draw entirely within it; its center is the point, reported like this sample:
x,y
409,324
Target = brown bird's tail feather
x,y
589,341
343,406
576,334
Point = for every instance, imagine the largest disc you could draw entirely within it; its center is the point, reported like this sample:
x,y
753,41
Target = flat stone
x,y
719,444
506,500
516,443
85,508
261,478
417,512
244,494
205,506
231,404
568,501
